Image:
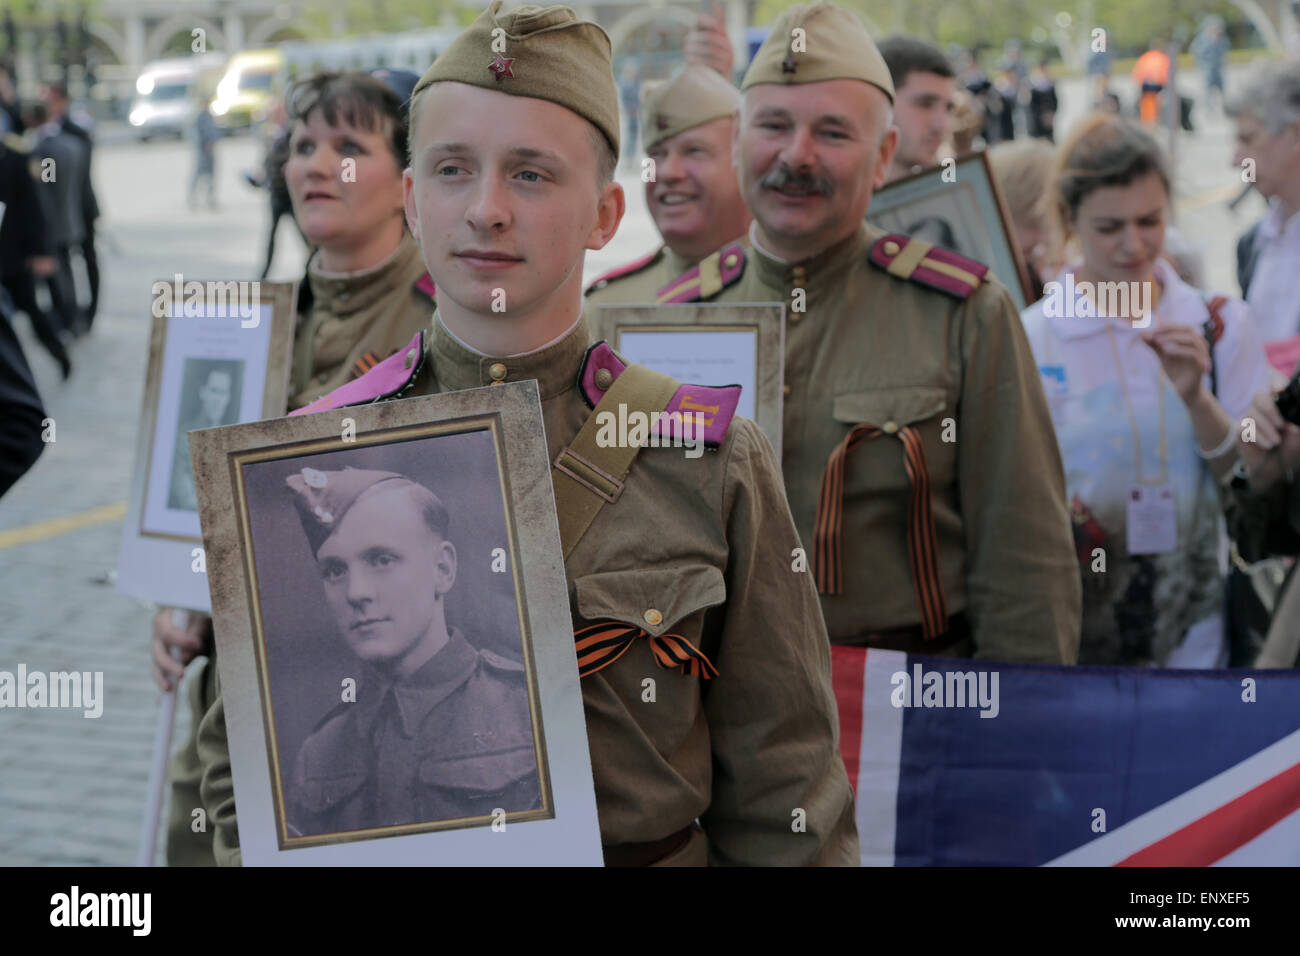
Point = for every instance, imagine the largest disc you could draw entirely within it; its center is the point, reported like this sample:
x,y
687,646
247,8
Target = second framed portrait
x,y
219,354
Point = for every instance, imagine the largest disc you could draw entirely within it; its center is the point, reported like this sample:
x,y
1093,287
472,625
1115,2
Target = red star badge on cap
x,y
788,65
501,67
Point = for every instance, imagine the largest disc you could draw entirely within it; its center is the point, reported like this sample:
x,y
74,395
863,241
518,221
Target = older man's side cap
x,y
814,42
324,497
548,53
692,97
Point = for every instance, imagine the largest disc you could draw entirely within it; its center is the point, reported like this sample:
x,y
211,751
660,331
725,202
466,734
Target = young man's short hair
x,y
904,55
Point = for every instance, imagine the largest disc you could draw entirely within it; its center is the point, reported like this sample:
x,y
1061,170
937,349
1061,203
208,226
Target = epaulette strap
x,y
389,379
707,278
15,142
712,406
928,264
636,265
425,284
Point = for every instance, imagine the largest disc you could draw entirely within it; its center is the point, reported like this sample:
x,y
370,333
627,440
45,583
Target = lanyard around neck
x,y
1162,446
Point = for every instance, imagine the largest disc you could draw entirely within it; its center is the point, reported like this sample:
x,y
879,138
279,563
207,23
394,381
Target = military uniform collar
x,y
424,690
345,294
555,367
816,273
676,264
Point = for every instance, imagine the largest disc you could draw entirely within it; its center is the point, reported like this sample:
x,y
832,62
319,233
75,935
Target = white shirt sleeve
x,y
1240,360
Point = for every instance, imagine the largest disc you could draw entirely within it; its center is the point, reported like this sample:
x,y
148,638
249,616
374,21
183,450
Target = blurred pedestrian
x,y
11,120
62,158
1099,76
1267,114
924,84
56,100
1146,379
1151,74
1041,112
1004,99
1210,48
206,134
25,251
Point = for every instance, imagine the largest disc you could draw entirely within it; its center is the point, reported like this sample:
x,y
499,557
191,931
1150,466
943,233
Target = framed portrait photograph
x,y
708,344
394,636
966,215
218,355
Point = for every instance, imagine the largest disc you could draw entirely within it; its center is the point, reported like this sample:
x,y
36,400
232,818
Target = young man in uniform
x,y
924,86
736,760
693,197
922,468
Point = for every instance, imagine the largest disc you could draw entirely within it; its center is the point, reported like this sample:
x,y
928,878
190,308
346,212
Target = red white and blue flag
x,y
969,763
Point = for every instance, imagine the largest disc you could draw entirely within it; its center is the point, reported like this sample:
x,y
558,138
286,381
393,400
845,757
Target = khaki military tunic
x,y
639,282
358,319
453,740
871,347
699,548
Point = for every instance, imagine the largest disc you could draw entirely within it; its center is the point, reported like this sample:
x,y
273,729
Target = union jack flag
x,y
1078,766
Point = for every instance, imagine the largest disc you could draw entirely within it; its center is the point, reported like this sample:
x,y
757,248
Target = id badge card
x,y
1152,520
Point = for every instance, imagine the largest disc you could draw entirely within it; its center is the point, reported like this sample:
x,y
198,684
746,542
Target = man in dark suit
x,y
62,160
56,101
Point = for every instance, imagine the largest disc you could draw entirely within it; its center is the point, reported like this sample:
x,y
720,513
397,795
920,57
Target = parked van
x,y
167,93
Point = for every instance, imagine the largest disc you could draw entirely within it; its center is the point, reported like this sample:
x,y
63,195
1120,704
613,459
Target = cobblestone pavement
x,y
71,788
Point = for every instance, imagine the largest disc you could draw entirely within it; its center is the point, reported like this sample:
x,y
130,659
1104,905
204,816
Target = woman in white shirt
x,y
1120,341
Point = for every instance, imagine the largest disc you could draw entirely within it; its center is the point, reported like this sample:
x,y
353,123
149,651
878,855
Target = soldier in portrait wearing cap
x,y
919,457
693,197
439,730
704,663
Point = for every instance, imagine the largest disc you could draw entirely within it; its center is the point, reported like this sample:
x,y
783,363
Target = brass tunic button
x,y
890,427
653,617
604,378
891,248
799,272
409,360
796,316
785,390
498,372
731,260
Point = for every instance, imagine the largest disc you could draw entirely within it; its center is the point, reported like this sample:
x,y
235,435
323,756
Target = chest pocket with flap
x,y
658,604
885,406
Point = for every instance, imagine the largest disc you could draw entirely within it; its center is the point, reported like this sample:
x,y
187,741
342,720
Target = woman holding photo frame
x,y
366,293
1146,378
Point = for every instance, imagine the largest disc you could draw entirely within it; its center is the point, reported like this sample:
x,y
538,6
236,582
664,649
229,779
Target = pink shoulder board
x,y
388,379
715,404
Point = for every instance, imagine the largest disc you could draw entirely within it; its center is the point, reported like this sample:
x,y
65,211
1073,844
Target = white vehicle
x,y
167,94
